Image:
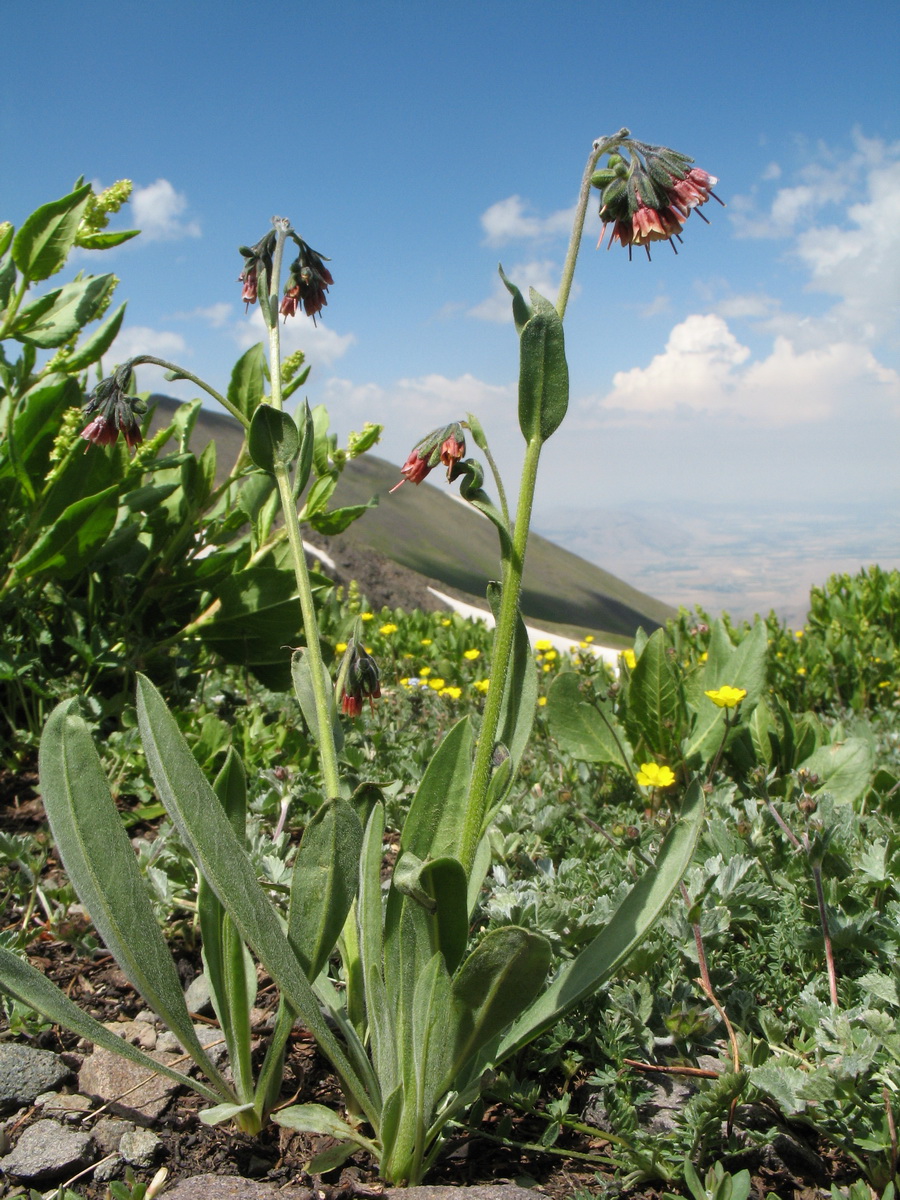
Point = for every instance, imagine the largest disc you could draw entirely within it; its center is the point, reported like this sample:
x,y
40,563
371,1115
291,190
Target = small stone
x,y
197,997
109,1167
63,1105
108,1133
140,1148
25,1073
139,1033
47,1151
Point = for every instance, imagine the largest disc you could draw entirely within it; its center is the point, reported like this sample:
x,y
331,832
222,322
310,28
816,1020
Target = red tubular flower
x,y
116,411
289,303
308,281
248,278
446,445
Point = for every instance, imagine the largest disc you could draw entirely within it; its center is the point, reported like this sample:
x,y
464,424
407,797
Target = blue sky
x,y
418,144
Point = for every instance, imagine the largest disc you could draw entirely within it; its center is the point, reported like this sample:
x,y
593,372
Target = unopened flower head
x,y
648,196
116,411
446,445
727,696
362,679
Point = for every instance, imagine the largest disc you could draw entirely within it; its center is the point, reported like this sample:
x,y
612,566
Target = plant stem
x,y
600,147
161,362
502,651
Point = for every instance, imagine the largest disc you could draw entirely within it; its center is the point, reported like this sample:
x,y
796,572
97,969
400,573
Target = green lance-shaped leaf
x,y
307,445
73,307
332,523
205,830
93,348
370,936
630,923
433,826
844,769
543,372
521,690
7,229
653,698
273,439
73,537
7,279
440,887
316,1118
301,675
494,985
101,864
19,979
230,971
521,309
43,243
324,883
588,731
247,385
107,239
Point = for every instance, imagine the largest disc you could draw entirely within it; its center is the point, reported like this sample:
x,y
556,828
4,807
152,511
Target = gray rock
x,y
197,996
129,1090
141,1148
209,1037
109,1167
46,1152
230,1187
108,1133
64,1106
25,1073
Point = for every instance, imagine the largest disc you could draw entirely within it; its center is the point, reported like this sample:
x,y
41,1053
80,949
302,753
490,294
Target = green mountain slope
x,y
431,532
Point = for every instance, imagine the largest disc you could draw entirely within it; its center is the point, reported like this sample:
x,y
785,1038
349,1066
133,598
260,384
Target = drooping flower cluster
x,y
446,445
308,277
360,679
116,411
257,263
308,281
649,196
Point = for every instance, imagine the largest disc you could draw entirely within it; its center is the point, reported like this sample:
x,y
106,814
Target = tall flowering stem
x,y
601,146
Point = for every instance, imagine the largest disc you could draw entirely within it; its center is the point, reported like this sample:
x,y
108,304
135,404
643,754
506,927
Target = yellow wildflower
x,y
630,659
550,655
542,700
425,642
653,775
389,628
798,633
801,670
367,616
471,655
446,621
437,683
453,692
885,683
425,671
543,644
481,685
340,647
727,696
704,656
588,637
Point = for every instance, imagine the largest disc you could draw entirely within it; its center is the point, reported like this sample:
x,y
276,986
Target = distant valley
x,y
728,558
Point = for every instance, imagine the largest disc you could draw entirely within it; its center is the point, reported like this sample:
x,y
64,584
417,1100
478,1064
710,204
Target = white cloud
x,y
319,342
215,315
704,368
542,275
414,406
158,209
508,220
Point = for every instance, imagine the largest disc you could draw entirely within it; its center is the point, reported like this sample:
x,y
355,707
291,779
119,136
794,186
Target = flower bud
x,y
446,445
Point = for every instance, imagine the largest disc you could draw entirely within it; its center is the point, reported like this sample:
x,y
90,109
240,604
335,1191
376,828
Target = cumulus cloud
x,y
158,210
215,315
509,220
421,403
705,369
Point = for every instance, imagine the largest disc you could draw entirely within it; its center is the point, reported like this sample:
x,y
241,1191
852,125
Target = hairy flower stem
x,y
502,652
184,374
601,146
